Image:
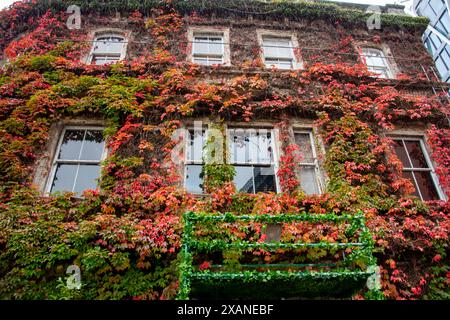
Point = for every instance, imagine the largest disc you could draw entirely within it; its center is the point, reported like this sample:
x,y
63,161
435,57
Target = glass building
x,y
437,36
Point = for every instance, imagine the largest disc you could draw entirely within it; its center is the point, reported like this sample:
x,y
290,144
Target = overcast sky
x,y
5,3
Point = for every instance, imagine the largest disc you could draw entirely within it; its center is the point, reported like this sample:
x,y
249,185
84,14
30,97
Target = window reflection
x,y
251,153
416,168
77,166
194,179
208,48
196,140
278,52
107,49
309,181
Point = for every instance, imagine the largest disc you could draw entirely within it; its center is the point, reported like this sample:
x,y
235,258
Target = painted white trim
x,y
430,168
187,162
220,31
384,58
55,160
108,32
274,144
316,164
297,62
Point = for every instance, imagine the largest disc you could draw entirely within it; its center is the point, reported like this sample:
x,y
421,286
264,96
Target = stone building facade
x,y
307,110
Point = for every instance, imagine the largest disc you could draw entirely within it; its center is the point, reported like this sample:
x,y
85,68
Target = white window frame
x,y
208,56
277,60
56,161
316,163
224,33
384,58
120,56
296,62
187,161
273,163
430,168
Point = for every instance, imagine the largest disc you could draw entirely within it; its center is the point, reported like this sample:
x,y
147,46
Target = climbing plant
x,y
127,235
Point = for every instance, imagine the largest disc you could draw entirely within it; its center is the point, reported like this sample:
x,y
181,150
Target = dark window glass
x,y
93,145
426,185
401,153
409,175
87,178
264,179
64,177
419,173
244,179
254,179
416,154
71,145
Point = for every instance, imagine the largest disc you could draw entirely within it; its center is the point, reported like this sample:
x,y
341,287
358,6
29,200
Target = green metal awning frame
x,y
339,282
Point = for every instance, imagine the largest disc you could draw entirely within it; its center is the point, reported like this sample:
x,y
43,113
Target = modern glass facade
x,y
437,36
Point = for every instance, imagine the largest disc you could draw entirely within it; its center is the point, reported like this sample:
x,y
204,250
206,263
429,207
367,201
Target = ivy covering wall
x,y
126,236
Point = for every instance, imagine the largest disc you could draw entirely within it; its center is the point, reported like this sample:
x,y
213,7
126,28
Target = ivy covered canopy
x,y
273,280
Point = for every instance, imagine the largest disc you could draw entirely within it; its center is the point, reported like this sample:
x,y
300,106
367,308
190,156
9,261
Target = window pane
x,y
239,146
279,64
443,23
201,45
101,46
109,44
408,175
264,179
64,177
244,179
87,178
381,71
207,61
440,64
203,61
284,48
303,140
101,60
376,61
196,141
93,145
426,185
401,153
71,145
308,180
250,146
416,154
213,61
261,146
216,46
208,44
270,48
277,48
194,179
